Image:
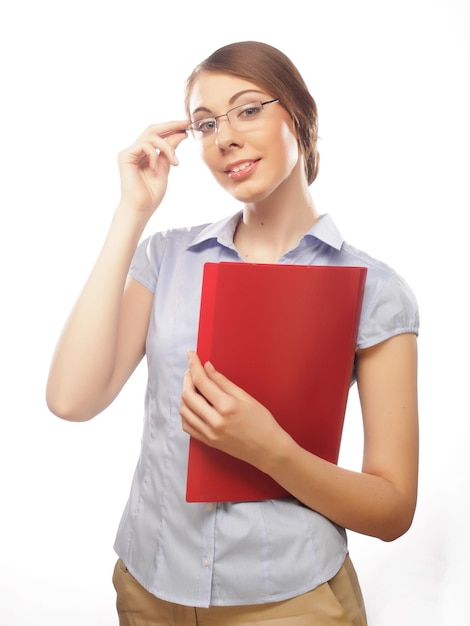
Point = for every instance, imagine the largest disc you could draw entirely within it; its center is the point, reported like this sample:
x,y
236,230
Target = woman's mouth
x,y
240,169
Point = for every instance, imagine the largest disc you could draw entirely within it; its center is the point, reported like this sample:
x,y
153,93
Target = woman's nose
x,y
225,135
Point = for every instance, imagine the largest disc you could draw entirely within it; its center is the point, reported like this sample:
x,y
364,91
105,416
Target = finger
x,y
168,143
156,140
174,141
174,136
168,129
148,155
154,155
199,377
191,397
192,423
150,152
222,381
163,131
216,389
194,408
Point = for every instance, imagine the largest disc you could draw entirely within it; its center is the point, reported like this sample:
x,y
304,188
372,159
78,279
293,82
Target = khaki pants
x,y
335,603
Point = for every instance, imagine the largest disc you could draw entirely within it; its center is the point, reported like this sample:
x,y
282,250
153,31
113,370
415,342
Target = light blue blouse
x,y
202,554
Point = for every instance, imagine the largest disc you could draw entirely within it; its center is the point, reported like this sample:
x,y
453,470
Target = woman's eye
x,y
250,111
205,126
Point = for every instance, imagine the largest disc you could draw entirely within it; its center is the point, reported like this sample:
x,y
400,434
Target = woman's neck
x,y
272,227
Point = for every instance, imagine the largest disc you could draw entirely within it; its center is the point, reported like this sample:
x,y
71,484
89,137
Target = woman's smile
x,y
240,170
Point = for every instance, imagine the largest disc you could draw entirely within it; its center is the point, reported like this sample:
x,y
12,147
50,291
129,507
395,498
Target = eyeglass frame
x,y
217,117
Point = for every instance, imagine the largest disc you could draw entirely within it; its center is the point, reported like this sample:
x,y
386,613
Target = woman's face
x,y
253,159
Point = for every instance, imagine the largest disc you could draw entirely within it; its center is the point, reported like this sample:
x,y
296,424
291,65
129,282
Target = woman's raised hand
x,y
145,165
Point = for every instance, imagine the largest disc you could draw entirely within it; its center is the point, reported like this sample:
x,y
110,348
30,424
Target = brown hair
x,y
272,70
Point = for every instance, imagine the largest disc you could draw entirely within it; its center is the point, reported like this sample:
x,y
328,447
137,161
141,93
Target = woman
x,y
278,561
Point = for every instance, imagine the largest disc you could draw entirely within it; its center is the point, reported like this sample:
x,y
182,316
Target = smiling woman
x,y
286,560
248,139
272,72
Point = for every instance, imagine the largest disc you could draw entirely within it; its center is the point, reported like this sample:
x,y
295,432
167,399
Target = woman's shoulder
x,y
183,234
193,235
389,305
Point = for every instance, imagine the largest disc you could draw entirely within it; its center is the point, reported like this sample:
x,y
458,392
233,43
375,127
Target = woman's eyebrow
x,y
242,93
232,99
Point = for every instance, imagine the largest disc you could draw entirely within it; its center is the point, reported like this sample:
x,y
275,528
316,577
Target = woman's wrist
x,y
130,219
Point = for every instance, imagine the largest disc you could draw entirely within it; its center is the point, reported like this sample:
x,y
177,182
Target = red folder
x,y
286,334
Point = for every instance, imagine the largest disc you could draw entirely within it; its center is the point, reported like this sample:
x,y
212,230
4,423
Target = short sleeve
x,y
388,310
142,266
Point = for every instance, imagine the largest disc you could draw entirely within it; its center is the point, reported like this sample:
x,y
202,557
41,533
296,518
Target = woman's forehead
x,y
211,90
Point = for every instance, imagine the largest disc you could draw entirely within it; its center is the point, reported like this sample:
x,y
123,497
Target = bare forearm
x,y
85,355
104,337
365,503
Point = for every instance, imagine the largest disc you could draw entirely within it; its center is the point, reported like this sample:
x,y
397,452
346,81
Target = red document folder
x,y
286,334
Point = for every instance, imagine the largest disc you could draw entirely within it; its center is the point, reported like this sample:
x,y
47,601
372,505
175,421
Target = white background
x,y
79,81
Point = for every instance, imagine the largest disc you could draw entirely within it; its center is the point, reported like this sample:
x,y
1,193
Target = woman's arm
x,y
104,337
379,501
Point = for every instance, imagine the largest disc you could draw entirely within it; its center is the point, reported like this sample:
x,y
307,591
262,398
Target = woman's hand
x,y
145,165
220,414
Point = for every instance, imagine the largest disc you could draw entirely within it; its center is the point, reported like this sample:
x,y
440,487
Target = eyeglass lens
x,y
238,117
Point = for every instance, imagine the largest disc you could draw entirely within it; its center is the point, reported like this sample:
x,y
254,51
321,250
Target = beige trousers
x,y
335,603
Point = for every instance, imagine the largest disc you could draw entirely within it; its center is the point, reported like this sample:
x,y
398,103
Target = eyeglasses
x,y
240,118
